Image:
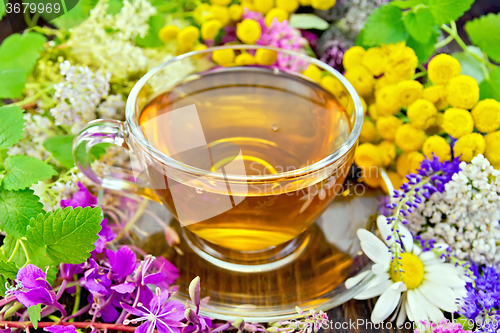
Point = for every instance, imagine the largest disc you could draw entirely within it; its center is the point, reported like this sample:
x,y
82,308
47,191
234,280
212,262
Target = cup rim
x,y
139,137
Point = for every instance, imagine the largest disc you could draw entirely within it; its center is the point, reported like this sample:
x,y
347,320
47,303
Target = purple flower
x,y
164,266
105,235
97,281
122,262
334,54
33,288
82,198
60,329
483,296
160,313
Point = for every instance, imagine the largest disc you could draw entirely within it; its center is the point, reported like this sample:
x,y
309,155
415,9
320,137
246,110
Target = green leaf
x,y
424,50
485,33
445,11
2,9
35,316
359,39
37,254
384,26
406,4
61,148
11,125
152,39
8,269
72,18
3,281
420,25
16,210
24,171
12,82
308,21
490,88
470,65
68,235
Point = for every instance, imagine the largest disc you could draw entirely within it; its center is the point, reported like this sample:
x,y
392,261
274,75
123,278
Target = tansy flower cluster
x,y
412,116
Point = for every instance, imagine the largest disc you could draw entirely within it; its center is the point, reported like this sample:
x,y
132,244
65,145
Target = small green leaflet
x,y
68,235
11,125
424,50
24,171
16,210
8,269
470,65
420,25
445,11
35,316
384,26
12,81
490,88
308,21
485,33
152,39
61,148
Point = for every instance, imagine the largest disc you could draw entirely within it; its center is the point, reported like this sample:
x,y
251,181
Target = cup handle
x,y
114,178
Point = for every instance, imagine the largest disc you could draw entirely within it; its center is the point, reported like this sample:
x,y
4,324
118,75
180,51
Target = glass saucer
x,y
314,280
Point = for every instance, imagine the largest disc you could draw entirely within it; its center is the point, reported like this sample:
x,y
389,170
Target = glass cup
x,y
239,211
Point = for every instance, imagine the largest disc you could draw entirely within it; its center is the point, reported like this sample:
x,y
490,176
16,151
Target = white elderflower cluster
x,y
36,131
51,194
80,95
466,214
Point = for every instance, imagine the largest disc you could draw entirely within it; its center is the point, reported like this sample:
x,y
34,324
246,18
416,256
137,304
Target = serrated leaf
x,y
11,125
490,88
61,148
308,21
485,33
470,65
68,235
445,11
424,50
24,171
34,313
384,26
420,25
16,210
8,269
152,38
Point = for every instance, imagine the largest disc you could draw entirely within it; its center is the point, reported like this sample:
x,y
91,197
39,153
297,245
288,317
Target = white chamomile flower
x,y
426,286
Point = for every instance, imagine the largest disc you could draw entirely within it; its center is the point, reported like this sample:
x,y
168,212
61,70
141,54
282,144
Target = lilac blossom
x,y
334,54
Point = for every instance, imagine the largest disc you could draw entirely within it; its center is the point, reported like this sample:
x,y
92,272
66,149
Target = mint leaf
x,y
24,171
8,269
16,210
445,11
485,33
424,50
37,254
490,88
308,21
68,235
384,26
470,65
35,316
61,148
12,81
152,39
11,125
420,25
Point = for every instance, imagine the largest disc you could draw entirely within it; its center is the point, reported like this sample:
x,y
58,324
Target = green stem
x,y
78,296
419,74
32,98
13,309
444,42
28,260
48,159
14,252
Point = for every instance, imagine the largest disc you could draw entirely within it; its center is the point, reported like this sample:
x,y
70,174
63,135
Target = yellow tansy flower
x,y
200,47
422,113
248,31
202,13
469,146
368,132
223,57
263,6
361,79
442,68
220,2
414,160
168,33
210,29
313,72
432,93
266,57
245,58
457,122
462,92
409,138
323,4
382,82
387,152
409,92
220,13
486,115
188,36
375,60
401,65
367,155
305,2
387,100
492,151
371,176
438,146
235,12
288,5
353,57
395,179
278,13
387,126
436,128
373,112
391,48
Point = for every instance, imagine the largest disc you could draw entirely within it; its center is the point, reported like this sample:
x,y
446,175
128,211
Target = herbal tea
x,y
272,122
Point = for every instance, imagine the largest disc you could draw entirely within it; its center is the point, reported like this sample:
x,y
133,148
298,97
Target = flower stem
x,y
28,260
13,309
62,289
33,98
14,252
27,324
7,300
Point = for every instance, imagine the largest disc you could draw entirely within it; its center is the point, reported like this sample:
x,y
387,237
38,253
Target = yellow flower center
x,y
413,271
